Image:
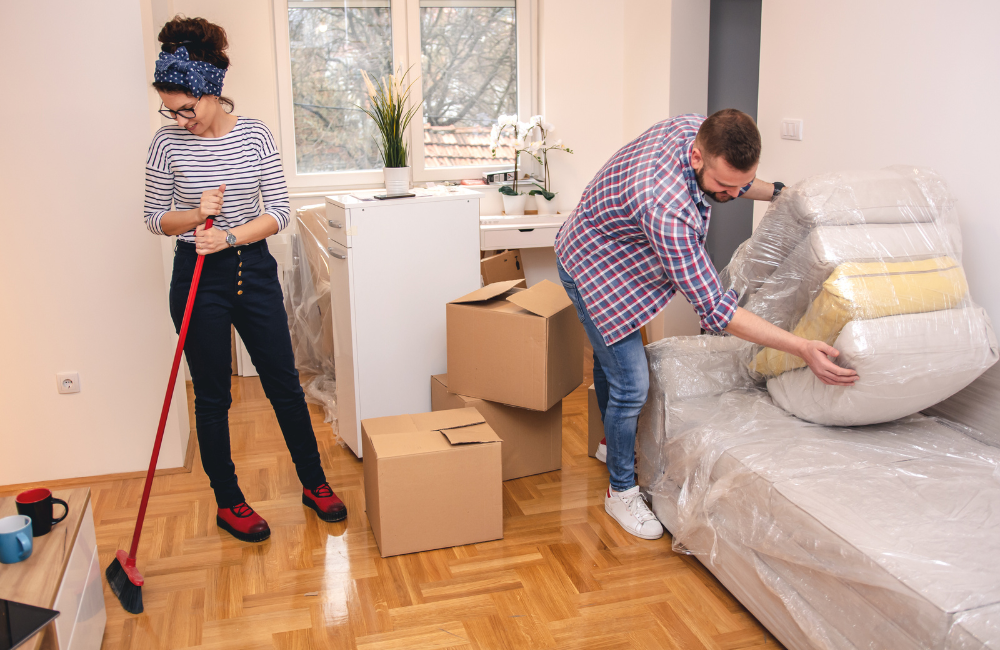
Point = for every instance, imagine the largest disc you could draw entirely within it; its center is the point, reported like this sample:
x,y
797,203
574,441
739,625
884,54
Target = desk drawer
x,y
498,239
337,224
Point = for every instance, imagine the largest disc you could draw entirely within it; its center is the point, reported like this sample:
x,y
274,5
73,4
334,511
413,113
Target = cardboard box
x,y
502,267
532,440
521,347
595,426
432,480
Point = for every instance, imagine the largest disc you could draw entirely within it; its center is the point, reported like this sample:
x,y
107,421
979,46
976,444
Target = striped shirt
x,y
638,236
181,166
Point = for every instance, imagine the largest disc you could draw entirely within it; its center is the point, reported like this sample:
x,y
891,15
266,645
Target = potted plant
x,y
387,107
513,200
540,150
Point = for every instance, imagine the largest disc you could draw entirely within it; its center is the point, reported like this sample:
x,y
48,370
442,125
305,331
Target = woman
x,y
212,163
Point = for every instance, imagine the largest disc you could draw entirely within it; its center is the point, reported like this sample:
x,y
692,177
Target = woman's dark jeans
x,y
239,286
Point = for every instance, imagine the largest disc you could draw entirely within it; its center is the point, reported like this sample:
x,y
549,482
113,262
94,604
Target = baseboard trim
x,y
87,481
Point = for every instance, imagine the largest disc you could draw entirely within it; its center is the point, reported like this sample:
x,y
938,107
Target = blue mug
x,y
15,539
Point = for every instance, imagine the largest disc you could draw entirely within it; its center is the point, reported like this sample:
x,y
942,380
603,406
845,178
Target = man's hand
x,y
209,241
751,327
816,354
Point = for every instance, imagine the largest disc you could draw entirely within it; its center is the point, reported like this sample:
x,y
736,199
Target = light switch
x,y
791,129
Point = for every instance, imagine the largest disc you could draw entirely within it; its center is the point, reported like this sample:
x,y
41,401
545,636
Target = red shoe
x,y
243,523
325,502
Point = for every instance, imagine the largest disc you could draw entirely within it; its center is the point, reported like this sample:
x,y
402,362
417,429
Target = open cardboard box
x,y
521,347
532,440
432,480
502,267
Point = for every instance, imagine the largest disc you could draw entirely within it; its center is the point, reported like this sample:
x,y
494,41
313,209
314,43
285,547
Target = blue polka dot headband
x,y
199,77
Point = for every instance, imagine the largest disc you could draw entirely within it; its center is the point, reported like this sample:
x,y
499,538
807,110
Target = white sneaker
x,y
602,452
631,512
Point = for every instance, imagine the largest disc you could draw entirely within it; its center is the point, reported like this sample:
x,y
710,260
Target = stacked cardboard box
x,y
520,347
433,480
514,354
532,440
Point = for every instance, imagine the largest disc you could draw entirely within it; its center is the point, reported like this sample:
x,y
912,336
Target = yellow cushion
x,y
866,290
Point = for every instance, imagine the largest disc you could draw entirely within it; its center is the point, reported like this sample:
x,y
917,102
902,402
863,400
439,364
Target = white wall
x,y
891,82
666,74
83,288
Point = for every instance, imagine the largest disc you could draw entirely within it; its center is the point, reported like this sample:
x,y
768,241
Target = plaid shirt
x,y
638,236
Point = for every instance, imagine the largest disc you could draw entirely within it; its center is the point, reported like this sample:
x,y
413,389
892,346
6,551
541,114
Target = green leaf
x,y
508,190
548,195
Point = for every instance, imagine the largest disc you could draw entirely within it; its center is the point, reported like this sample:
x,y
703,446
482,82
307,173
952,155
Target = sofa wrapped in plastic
x,y
869,262
881,536
839,516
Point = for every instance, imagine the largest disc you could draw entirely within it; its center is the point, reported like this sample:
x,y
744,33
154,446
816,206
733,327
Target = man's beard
x,y
718,197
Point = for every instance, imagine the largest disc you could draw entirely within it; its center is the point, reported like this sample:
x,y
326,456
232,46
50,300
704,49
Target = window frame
x,y
405,26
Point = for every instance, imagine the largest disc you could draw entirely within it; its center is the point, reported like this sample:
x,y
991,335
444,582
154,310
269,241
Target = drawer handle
x,y
525,230
336,254
334,224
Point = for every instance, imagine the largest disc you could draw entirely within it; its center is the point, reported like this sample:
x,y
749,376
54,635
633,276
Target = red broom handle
x,y
166,403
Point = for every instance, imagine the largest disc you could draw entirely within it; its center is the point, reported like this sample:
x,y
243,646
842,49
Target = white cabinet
x,y
394,265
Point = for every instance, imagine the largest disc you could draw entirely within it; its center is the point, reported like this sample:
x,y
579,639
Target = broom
x,y
123,578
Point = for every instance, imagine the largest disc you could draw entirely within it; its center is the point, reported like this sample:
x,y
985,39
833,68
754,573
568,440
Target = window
x,y
469,60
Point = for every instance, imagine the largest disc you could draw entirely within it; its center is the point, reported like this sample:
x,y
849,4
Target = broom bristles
x,y
128,594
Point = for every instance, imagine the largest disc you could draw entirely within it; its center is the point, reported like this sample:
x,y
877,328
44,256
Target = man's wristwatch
x,y
230,237
778,186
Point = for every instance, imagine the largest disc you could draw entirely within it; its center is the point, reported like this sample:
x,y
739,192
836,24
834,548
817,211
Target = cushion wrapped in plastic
x,y
869,262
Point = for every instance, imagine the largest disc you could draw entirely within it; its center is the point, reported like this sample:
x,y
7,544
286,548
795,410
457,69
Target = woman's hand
x,y
209,241
211,203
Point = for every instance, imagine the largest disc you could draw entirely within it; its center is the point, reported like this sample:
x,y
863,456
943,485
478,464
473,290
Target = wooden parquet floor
x,y
564,576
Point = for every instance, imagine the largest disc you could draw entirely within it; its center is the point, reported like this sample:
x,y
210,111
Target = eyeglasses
x,y
184,112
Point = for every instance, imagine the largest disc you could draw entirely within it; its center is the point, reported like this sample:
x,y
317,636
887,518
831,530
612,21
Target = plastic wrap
x,y
869,262
882,536
308,305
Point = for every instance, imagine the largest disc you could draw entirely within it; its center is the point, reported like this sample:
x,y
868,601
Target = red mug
x,y
37,504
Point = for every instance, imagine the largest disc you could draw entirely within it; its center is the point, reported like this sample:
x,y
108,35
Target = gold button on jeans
x,y
240,292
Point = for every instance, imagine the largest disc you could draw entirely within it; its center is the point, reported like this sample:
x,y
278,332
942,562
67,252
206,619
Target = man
x,y
637,237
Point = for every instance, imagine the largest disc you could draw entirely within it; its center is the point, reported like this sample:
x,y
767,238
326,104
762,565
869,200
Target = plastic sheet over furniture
x,y
883,536
307,302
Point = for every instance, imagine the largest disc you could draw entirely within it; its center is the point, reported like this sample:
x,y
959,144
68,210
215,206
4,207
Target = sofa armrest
x,y
688,367
683,368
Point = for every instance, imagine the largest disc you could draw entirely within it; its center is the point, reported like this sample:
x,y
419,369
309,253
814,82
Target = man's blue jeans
x,y
621,379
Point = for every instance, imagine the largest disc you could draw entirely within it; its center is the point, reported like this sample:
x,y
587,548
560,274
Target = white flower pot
x,y
514,204
544,206
397,180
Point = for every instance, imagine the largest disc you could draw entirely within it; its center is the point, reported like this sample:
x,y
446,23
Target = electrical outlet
x,y
68,382
791,129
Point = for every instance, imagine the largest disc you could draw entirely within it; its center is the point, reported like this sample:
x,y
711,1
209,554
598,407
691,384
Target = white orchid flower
x,y
507,120
548,127
536,120
495,132
558,143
